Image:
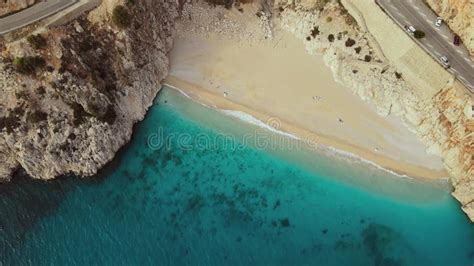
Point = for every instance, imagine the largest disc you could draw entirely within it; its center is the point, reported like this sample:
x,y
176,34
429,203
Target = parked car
x,y
444,60
457,40
410,29
438,21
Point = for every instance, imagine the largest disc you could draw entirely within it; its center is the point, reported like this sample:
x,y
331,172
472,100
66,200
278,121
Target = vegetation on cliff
x,y
95,83
28,64
121,17
37,41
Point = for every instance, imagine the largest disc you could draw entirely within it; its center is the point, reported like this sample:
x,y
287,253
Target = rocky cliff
x,y
459,14
448,127
10,6
70,95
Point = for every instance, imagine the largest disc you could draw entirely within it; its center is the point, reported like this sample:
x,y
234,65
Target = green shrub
x,y
320,4
41,90
350,20
331,37
226,3
121,17
9,123
80,115
419,34
109,116
350,42
37,116
315,31
28,64
328,19
22,95
13,120
37,41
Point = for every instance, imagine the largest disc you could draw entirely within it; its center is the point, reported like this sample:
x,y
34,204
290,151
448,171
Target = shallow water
x,y
185,193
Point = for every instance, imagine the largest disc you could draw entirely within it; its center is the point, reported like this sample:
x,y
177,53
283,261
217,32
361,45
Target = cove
x,y
188,190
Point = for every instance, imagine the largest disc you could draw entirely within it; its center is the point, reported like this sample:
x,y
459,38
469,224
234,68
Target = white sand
x,y
278,80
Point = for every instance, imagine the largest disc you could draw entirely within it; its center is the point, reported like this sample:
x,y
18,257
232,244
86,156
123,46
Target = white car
x,y
444,60
410,29
438,21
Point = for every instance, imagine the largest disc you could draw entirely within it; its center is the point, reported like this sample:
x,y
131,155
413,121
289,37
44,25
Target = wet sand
x,y
278,81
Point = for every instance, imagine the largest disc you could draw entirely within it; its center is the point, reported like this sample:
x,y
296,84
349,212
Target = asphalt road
x,y
438,41
32,14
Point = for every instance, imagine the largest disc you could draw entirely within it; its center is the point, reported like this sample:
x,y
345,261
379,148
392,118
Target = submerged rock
x,y
285,222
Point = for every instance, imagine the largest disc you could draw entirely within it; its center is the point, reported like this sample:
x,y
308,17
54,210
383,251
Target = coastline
x,y
341,147
245,68
242,199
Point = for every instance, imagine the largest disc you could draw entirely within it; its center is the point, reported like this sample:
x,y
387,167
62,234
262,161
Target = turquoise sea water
x,y
182,194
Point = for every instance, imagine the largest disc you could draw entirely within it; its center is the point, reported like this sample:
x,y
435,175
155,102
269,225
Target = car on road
x,y
438,21
457,40
444,60
410,29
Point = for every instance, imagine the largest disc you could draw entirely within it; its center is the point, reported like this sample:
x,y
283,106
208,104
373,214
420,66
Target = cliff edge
x,y
71,94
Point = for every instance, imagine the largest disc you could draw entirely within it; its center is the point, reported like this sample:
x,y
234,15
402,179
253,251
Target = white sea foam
x,y
329,150
254,121
178,89
238,114
355,158
187,95
340,153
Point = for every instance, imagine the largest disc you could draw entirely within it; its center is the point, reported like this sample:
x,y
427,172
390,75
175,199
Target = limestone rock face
x,y
447,127
459,14
72,114
441,121
9,6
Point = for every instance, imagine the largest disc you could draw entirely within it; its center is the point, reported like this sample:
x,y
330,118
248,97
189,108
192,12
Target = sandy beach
x,y
276,79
